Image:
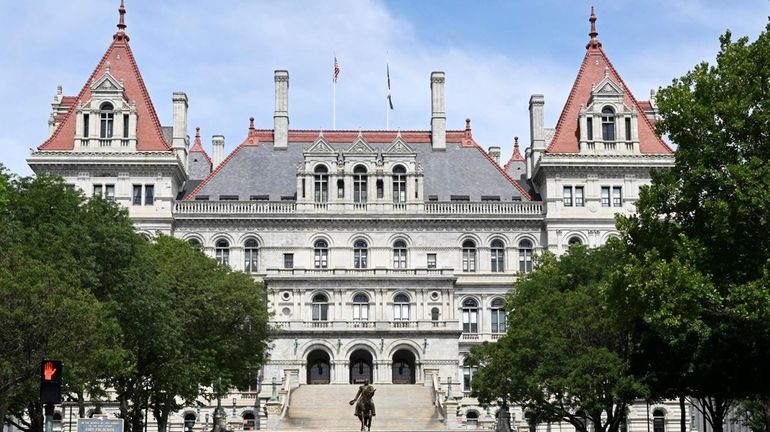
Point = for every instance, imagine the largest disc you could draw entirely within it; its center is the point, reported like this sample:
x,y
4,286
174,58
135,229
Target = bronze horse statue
x,y
365,406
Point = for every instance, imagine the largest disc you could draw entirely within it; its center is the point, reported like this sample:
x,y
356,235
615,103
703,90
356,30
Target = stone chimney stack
x,y
179,139
218,150
438,112
281,115
494,152
536,122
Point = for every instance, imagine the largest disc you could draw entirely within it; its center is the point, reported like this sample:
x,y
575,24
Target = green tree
x,y
565,356
706,224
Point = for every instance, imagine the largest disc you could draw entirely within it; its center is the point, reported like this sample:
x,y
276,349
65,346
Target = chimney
x,y
494,151
536,126
218,150
281,115
179,139
438,114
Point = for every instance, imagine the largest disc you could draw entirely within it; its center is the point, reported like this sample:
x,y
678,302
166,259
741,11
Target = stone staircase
x,y
404,407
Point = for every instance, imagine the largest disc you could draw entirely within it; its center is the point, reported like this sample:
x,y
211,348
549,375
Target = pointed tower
x,y
109,138
198,161
516,165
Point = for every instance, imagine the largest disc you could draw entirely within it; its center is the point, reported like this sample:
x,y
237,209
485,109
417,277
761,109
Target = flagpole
x,y
387,99
334,96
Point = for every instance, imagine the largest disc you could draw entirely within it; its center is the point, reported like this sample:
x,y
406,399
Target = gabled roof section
x,y
120,63
516,156
360,146
591,73
198,146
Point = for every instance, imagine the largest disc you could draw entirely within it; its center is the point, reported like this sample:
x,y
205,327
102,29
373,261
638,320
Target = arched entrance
x,y
318,367
361,366
404,367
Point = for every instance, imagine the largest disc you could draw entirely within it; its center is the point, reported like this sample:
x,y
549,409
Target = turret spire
x,y
121,33
594,42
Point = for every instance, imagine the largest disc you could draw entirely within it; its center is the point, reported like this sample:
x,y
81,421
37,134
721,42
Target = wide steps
x,y
326,407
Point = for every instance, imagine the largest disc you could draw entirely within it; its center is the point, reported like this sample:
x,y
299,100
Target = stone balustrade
x,y
372,325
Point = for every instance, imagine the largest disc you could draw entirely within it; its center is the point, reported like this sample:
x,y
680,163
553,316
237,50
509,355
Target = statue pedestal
x,y
273,409
451,414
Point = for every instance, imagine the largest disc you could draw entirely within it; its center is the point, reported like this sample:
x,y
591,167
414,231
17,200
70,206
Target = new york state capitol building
x,y
385,255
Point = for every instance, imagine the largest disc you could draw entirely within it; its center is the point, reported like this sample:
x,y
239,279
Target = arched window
x,y
57,421
360,252
658,421
194,242
250,254
359,184
320,307
471,417
189,421
249,421
470,316
106,120
469,256
401,307
468,372
361,307
222,249
498,316
399,254
321,254
575,240
321,184
434,314
525,256
608,124
498,255
399,184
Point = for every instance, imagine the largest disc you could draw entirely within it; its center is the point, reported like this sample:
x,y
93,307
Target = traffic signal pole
x,y
50,388
48,417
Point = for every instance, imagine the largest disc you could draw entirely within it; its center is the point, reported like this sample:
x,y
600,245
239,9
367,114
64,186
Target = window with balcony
x,y
469,256
359,184
320,307
321,181
360,307
470,316
497,251
288,260
360,254
431,260
222,251
525,256
434,314
250,256
321,254
401,307
498,318
399,254
399,184
468,372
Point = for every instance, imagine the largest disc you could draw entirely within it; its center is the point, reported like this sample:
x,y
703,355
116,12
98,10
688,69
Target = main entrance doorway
x,y
361,367
318,367
403,367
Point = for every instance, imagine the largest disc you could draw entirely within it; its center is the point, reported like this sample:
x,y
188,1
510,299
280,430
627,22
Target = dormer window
x,y
107,120
608,124
399,184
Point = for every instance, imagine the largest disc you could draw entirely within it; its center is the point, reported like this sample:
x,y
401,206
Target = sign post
x,y
100,424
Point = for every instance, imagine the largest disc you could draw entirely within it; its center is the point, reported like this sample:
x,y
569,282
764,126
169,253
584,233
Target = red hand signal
x,y
48,371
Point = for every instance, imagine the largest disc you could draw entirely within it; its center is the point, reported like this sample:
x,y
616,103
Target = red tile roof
x,y
516,156
591,72
123,67
198,146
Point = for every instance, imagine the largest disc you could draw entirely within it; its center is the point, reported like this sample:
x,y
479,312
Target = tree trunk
x,y
81,405
3,410
766,413
682,416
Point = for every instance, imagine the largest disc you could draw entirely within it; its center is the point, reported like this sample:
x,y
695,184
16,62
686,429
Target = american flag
x,y
390,101
336,70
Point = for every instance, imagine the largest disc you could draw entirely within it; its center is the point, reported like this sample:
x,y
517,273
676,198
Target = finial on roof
x,y
251,122
252,130
121,33
197,132
594,42
515,142
59,90
516,151
467,124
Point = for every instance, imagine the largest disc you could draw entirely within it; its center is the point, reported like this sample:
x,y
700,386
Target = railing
x,y
287,392
438,397
359,272
290,207
481,337
379,325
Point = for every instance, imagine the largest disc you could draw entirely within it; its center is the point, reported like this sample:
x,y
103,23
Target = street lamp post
x,y
257,415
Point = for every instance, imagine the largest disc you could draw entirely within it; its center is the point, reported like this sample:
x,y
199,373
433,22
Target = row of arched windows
x,y
360,184
361,254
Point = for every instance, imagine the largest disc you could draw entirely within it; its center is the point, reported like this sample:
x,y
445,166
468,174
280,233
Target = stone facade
x,y
385,255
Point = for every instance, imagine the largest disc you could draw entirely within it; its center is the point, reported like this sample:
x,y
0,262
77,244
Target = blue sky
x,y
223,53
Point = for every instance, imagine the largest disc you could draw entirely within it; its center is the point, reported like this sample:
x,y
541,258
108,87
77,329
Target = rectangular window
x,y
490,198
431,261
590,129
605,196
228,197
288,260
340,188
136,195
617,196
125,125
97,190
432,197
86,121
579,196
109,192
288,198
380,189
201,197
149,194
628,129
259,197
303,188
567,196
460,198
470,321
